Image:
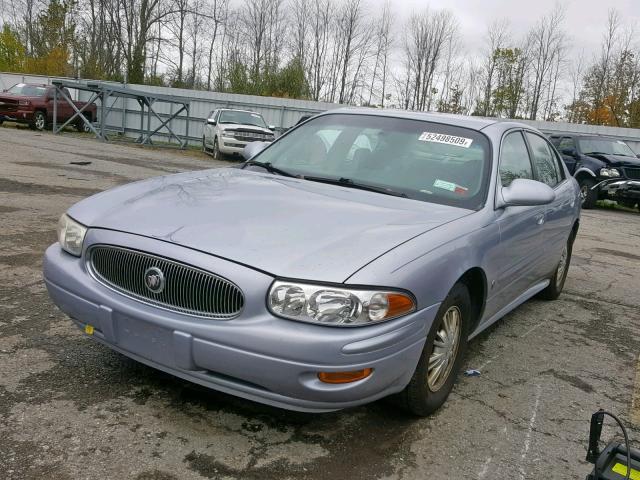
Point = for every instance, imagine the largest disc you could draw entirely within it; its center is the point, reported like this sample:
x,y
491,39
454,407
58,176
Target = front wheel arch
x,y
475,280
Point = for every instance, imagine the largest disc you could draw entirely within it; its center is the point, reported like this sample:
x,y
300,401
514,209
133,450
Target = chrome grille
x,y
632,173
252,136
187,289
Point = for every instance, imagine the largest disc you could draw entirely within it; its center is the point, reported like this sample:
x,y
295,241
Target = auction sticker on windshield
x,y
446,139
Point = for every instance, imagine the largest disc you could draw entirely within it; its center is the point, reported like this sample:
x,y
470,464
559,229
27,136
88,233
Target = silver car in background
x,y
227,131
352,259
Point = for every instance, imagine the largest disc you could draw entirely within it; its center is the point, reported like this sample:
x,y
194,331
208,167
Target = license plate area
x,y
145,339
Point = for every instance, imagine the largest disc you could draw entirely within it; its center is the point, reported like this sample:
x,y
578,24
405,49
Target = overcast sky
x,y
585,19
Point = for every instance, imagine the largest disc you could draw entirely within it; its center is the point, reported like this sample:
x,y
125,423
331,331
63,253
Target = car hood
x,y
284,226
617,160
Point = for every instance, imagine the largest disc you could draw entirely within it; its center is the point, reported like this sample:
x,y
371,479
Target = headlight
x,y
24,103
71,235
609,172
337,306
227,134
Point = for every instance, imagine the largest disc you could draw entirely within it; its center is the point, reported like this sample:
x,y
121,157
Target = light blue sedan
x,y
350,260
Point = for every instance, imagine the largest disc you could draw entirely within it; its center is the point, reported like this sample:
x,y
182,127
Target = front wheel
x,y
442,356
39,121
588,196
217,155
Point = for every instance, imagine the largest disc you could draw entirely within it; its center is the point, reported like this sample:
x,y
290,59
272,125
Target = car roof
x,y
238,110
474,123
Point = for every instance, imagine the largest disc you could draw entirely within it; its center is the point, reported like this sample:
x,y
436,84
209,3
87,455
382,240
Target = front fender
x,y
431,264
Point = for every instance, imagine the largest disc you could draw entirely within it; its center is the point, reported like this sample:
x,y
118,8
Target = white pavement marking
x,y
527,440
532,329
485,469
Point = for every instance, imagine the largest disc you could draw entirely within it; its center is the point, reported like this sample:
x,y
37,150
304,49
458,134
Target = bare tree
x,y
546,41
497,38
427,35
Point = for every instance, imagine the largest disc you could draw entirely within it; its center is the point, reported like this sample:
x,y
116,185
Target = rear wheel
x,y
39,121
588,197
442,356
82,126
556,282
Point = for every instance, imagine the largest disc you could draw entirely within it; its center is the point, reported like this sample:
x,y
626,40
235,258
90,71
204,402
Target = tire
x,y
82,127
39,121
588,197
554,289
424,395
217,155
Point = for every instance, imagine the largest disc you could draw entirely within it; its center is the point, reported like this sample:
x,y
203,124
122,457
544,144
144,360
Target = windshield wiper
x,y
347,182
598,153
268,167
230,123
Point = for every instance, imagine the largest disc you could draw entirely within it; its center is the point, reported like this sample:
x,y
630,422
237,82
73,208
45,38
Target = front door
x,y
521,230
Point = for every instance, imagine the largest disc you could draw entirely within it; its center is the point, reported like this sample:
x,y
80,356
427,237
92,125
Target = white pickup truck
x,y
227,132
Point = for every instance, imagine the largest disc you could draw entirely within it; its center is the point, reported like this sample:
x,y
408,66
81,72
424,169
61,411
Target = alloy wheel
x,y
445,349
562,266
584,193
40,121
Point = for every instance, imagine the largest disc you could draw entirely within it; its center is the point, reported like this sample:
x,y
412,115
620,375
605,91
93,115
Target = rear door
x,y
521,229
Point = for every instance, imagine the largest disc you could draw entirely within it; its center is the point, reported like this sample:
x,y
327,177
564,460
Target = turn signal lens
x,y
344,377
399,304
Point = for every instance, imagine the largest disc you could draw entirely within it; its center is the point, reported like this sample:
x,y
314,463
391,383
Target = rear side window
x,y
514,159
544,161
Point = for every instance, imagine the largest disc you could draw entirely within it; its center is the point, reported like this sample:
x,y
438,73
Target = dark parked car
x,y
33,104
604,167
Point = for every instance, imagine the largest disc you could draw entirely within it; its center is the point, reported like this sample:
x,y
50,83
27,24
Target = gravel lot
x,y
72,409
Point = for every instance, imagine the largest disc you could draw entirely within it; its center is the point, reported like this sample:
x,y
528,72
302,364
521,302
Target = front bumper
x,y
621,188
19,116
255,355
231,146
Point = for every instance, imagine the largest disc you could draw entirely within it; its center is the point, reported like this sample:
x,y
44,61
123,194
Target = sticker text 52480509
x,y
447,139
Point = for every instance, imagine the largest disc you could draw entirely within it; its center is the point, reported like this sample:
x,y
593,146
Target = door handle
x,y
540,218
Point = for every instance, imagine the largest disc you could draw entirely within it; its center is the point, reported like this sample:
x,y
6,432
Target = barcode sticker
x,y
446,139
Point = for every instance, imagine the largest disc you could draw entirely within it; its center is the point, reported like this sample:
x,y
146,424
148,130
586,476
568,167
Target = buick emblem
x,y
154,279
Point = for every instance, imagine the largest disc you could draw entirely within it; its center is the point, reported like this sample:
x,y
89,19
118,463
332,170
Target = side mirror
x,y
211,121
569,152
524,192
272,127
254,148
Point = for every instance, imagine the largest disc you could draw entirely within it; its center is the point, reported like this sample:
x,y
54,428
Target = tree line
x,y
348,51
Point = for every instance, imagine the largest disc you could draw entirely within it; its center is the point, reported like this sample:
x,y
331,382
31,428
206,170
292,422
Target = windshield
x,y
28,90
244,118
604,145
421,160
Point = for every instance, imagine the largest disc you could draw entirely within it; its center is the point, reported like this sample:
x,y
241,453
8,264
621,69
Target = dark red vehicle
x,y
33,104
